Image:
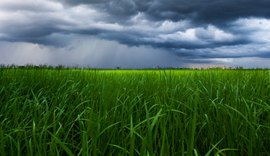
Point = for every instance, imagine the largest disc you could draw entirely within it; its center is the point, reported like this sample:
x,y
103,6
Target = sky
x,y
136,33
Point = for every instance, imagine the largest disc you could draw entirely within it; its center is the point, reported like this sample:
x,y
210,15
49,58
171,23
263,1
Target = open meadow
x,y
134,112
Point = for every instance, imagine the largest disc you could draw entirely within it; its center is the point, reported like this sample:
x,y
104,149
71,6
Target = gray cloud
x,y
194,31
87,52
209,11
96,53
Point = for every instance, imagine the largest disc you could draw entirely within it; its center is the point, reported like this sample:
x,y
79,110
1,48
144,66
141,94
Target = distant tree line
x,y
44,66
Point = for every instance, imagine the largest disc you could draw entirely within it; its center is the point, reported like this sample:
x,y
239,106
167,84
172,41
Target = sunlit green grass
x,y
134,112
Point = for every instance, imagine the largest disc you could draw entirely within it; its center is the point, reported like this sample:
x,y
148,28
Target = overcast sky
x,y
135,33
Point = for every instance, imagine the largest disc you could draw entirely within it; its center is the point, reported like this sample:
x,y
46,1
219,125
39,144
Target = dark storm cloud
x,y
206,11
201,13
117,7
36,26
195,30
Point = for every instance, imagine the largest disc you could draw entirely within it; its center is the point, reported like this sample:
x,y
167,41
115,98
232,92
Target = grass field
x,y
134,112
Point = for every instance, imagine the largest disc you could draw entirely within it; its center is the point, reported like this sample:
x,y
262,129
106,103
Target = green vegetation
x,y
134,112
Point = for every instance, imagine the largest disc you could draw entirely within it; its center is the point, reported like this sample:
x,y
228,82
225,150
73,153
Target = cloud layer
x,y
209,11
192,31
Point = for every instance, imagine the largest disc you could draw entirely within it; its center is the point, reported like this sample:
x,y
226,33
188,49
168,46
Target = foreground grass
x,y
95,112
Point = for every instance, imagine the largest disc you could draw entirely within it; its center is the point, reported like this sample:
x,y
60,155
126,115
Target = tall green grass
x,y
134,112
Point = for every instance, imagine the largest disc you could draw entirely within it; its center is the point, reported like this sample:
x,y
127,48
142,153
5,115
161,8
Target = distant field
x,y
134,112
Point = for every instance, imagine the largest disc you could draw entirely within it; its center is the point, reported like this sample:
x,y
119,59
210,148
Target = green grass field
x,y
134,112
